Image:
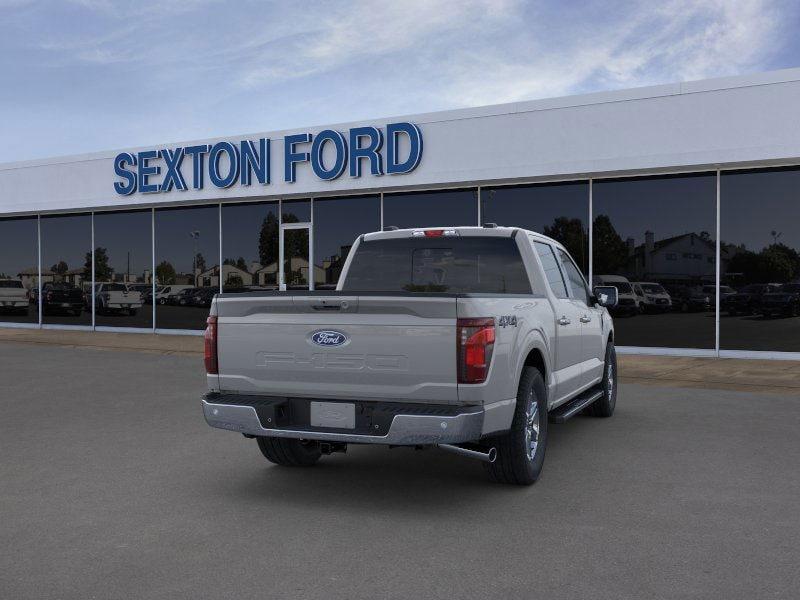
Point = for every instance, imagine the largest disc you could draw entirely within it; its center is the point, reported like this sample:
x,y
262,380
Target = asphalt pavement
x,y
112,486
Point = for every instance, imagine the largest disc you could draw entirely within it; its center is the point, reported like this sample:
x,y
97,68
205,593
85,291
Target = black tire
x,y
289,453
514,463
604,406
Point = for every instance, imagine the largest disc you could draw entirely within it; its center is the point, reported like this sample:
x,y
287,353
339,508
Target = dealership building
x,y
686,196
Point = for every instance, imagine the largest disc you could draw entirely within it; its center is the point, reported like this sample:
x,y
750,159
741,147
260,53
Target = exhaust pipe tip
x,y
489,456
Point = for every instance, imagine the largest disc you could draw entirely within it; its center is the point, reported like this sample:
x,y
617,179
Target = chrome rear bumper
x,y
405,430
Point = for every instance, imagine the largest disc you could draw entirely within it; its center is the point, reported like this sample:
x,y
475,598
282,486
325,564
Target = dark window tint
x,y
296,211
431,209
453,265
337,224
19,268
760,249
658,230
551,269
123,256
187,256
574,278
250,246
559,211
67,265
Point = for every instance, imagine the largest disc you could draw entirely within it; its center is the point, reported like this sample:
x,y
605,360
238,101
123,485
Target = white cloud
x,y
681,40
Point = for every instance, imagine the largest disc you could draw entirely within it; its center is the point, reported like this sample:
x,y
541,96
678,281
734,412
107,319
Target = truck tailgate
x,y
360,347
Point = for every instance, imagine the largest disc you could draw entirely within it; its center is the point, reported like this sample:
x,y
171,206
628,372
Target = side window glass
x,y
551,269
576,283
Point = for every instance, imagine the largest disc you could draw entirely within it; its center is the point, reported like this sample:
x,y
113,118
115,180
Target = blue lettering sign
x,y
254,162
340,150
128,185
291,156
233,164
371,151
330,153
146,170
393,132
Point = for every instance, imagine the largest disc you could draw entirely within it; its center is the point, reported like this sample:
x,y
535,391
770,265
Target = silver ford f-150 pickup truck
x,y
465,338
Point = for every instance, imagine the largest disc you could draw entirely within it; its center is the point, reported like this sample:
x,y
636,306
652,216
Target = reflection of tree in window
x,y
60,268
165,273
102,270
610,252
571,234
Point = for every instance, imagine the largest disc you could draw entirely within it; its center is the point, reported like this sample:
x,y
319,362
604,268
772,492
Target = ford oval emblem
x,y
329,337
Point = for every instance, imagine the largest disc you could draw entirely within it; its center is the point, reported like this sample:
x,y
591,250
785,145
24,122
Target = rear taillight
x,y
210,336
475,346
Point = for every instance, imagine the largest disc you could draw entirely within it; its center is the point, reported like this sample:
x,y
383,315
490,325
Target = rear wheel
x,y
289,453
604,406
520,452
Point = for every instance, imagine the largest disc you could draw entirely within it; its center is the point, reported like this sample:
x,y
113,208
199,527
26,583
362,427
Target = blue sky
x,y
86,75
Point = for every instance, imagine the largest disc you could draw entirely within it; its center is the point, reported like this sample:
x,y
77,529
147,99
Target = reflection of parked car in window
x,y
116,297
724,292
183,297
747,301
142,288
783,302
651,297
162,295
627,302
203,296
690,299
13,296
61,297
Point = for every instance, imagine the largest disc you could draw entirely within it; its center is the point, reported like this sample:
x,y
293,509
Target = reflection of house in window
x,y
332,266
232,276
674,259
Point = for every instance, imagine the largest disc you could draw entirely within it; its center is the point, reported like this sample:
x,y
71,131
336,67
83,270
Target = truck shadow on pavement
x,y
393,480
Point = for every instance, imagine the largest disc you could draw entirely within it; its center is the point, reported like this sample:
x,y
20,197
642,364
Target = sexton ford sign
x,y
225,164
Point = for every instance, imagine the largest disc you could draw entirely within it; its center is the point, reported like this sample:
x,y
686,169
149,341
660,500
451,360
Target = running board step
x,y
576,405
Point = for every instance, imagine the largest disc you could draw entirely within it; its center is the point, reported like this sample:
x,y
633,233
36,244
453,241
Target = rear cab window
x,y
555,279
455,265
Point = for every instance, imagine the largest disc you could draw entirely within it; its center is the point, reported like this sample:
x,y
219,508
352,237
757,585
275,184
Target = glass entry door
x,y
296,257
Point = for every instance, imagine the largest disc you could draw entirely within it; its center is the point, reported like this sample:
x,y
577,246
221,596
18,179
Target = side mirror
x,y
606,295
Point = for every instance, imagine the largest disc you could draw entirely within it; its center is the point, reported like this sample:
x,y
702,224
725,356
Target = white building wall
x,y
720,122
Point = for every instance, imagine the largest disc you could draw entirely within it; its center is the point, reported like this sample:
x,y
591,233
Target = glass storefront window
x,y
19,270
123,266
337,224
296,211
187,265
249,246
557,210
431,209
66,269
654,239
760,260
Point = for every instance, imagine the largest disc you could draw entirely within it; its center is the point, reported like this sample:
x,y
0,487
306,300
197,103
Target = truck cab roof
x,y
460,231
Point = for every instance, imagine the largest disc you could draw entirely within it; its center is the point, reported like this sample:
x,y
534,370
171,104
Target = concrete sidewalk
x,y
773,376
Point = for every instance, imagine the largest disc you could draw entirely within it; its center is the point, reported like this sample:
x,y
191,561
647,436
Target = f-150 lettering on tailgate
x,y
340,362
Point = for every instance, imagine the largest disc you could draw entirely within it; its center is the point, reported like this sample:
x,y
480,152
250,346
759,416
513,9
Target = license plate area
x,y
337,415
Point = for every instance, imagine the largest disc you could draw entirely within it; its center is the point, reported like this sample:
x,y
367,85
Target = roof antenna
x,y
490,225
391,228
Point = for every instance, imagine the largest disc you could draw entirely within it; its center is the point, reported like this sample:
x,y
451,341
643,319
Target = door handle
x,y
586,319
564,321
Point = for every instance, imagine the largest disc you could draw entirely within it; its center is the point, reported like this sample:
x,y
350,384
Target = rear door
x,y
368,347
568,352
591,320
